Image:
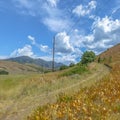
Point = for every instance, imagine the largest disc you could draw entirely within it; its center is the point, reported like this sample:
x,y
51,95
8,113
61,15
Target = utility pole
x,y
53,62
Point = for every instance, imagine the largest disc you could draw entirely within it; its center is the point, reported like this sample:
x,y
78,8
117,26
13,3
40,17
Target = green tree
x,y
87,57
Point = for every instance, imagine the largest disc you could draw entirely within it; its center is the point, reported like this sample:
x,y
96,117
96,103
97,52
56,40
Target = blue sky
x,y
27,27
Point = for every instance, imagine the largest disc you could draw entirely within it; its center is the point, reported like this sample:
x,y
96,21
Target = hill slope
x,y
17,68
111,56
21,94
101,101
38,62
85,95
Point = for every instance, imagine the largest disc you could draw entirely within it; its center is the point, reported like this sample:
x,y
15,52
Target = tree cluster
x,y
87,57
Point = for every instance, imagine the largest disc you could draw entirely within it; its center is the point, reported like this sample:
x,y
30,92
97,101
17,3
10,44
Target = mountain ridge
x,y
39,62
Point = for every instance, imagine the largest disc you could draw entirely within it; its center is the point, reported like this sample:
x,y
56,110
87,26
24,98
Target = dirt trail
x,y
21,108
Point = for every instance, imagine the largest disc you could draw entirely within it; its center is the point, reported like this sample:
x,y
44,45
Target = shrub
x,y
3,72
71,65
63,67
99,60
88,57
78,69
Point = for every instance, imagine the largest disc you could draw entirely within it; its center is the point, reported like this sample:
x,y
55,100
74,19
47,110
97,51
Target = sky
x,y
28,27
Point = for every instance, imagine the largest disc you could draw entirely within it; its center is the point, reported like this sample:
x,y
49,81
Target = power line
x,y
70,30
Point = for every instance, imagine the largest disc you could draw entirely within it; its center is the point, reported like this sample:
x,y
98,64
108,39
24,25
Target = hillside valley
x,y
78,92
25,65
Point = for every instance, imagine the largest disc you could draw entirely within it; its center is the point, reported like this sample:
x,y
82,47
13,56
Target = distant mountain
x,y
38,62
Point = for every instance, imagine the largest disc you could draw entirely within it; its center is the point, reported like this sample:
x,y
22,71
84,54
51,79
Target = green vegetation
x,y
88,57
63,67
71,65
3,72
99,59
78,69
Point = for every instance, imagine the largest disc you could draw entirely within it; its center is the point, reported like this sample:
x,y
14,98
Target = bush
x,y
79,69
99,60
71,65
63,67
88,57
3,72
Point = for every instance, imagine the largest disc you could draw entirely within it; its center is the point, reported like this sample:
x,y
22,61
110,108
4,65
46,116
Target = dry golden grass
x,y
99,102
17,68
20,94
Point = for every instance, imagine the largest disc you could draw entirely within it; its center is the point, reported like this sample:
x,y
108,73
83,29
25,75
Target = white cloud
x,y
115,10
106,32
82,10
92,5
56,20
66,59
53,3
50,15
57,24
32,39
107,24
23,3
45,48
25,51
62,43
46,58
28,7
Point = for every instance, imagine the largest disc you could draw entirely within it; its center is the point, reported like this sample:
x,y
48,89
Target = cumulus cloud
x,y
66,50
32,39
82,10
66,59
25,51
106,32
62,43
45,48
107,24
103,33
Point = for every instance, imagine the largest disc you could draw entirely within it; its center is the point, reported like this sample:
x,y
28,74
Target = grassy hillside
x,y
70,94
16,68
100,101
20,94
111,56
